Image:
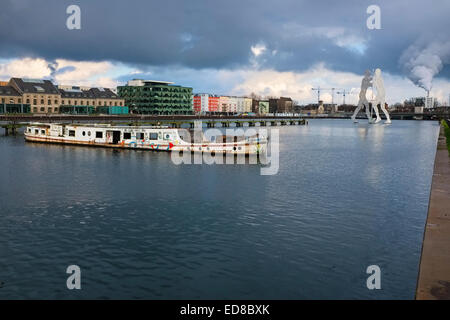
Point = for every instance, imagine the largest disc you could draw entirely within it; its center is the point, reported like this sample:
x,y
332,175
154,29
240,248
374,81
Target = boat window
x,y
36,131
71,133
99,134
84,133
166,136
140,136
89,133
29,130
42,131
127,135
153,136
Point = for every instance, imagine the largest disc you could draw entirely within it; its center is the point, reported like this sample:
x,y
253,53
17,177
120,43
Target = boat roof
x,y
98,125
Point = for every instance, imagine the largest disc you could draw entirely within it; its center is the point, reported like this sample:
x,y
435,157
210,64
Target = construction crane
x,y
343,93
318,89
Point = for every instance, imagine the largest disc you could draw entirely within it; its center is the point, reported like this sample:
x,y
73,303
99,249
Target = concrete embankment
x,y
434,274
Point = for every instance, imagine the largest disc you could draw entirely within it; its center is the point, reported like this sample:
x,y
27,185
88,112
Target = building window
x,y
34,109
49,109
19,100
49,102
42,101
56,101
35,101
99,134
42,109
3,100
56,109
28,101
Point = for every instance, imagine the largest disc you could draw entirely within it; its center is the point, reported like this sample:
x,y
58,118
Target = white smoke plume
x,y
53,66
422,62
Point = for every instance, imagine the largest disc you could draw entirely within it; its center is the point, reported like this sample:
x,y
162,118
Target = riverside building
x,y
85,100
156,97
41,95
204,102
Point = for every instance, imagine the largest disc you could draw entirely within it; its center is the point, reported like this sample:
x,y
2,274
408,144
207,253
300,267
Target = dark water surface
x,y
346,197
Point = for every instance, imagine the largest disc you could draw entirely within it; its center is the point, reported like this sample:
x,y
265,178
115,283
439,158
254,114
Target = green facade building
x,y
263,107
156,97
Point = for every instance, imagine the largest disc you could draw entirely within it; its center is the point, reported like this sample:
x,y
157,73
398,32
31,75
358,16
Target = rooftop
x,y
35,86
142,82
8,91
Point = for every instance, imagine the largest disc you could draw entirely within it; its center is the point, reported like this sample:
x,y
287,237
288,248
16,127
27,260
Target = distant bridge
x,y
393,115
14,122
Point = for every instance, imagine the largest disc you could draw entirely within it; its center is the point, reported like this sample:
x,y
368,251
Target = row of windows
x,y
36,131
82,103
99,103
126,135
5,100
42,109
141,136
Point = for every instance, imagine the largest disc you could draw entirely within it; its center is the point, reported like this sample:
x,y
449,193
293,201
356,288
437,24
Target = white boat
x,y
157,138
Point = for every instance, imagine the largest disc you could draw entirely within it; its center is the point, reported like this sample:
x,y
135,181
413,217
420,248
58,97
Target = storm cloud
x,y
220,34
278,35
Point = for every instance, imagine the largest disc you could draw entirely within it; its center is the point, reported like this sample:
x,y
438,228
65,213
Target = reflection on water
x,y
346,196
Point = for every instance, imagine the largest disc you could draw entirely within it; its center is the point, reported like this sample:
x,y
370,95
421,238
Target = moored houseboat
x,y
157,138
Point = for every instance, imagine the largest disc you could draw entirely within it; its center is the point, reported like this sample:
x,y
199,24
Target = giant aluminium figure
x,y
365,84
380,98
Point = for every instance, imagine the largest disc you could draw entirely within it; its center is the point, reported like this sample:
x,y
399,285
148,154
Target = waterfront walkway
x,y
434,274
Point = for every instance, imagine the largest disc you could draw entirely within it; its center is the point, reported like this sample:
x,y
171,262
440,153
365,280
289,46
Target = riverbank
x,y
434,273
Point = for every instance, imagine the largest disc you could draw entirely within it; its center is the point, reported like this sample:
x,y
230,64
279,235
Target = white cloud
x,y
80,71
24,68
85,73
258,49
298,85
265,82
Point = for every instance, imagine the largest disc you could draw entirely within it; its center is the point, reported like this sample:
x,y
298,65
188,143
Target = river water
x,y
345,197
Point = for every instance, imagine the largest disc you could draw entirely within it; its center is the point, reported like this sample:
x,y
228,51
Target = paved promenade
x,y
434,274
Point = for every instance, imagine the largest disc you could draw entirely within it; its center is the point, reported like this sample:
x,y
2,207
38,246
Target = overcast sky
x,y
270,47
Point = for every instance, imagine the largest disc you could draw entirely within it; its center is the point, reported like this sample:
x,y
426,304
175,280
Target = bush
x,y
447,133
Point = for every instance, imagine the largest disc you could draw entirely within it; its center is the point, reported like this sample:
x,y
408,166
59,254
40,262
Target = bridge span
x,y
11,123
